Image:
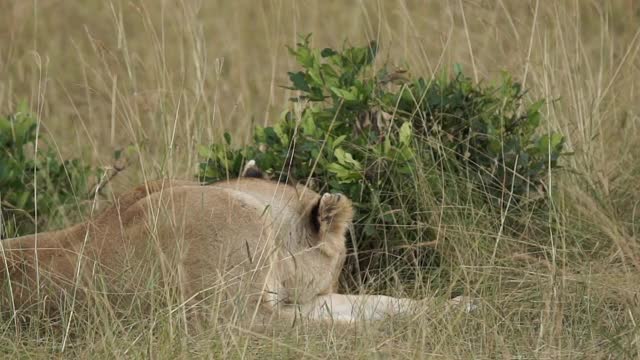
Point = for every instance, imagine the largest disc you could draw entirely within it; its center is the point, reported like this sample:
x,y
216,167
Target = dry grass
x,y
165,76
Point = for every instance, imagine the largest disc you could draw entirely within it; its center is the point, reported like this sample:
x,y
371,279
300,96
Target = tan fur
x,y
249,236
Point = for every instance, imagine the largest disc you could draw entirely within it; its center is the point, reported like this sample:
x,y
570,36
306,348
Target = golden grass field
x,y
162,77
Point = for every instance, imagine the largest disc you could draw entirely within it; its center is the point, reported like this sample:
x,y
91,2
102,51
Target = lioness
x,y
263,248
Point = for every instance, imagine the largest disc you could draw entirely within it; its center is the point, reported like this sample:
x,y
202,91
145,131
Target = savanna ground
x,y
161,77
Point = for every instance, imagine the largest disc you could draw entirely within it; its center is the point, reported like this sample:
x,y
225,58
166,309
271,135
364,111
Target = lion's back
x,y
206,232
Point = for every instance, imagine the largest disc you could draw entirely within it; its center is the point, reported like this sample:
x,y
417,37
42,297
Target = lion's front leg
x,y
349,308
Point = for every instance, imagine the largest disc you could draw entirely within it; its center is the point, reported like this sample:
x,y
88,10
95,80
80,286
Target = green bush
x,y
27,178
368,133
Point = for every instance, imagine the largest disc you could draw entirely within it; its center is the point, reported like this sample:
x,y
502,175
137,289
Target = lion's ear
x,y
251,170
332,214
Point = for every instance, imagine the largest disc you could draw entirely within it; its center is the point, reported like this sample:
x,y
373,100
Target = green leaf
x,y
308,124
557,141
348,95
536,106
346,158
338,141
405,134
204,151
457,69
314,74
299,81
386,146
343,174
303,55
326,52
340,155
534,120
550,143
